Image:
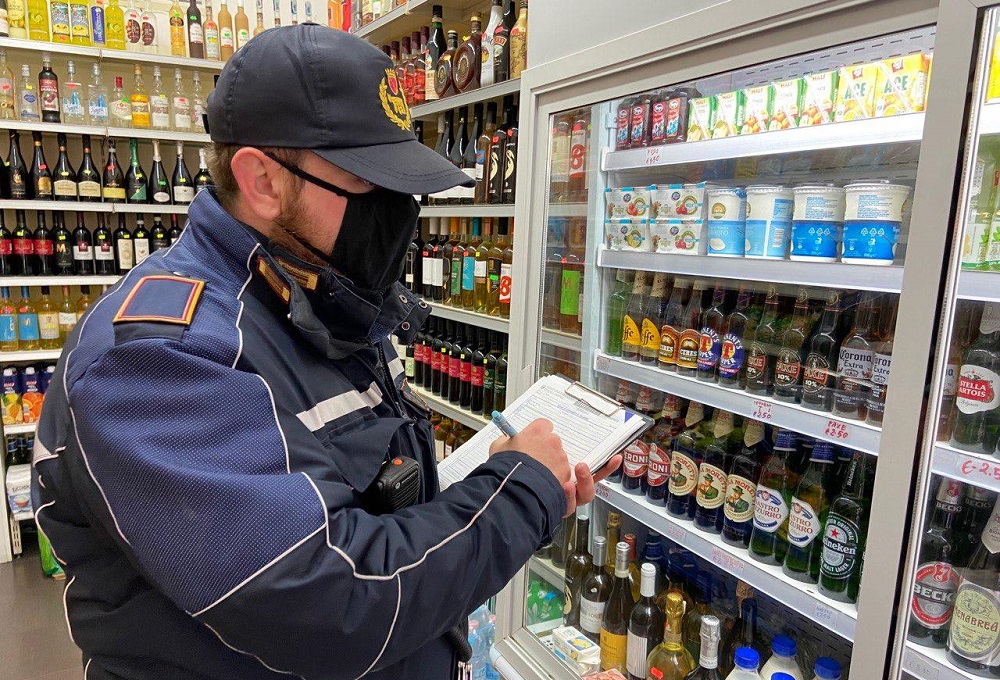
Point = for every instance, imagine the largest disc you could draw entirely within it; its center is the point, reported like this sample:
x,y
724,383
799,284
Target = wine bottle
x,y
27,322
645,626
159,184
44,250
203,180
708,661
114,178
104,248
48,321
594,592
6,249
17,170
670,660
24,246
175,229
135,179
88,179
65,179
159,238
62,244
124,249
182,182
67,314
83,248
140,240
41,176
614,625
578,565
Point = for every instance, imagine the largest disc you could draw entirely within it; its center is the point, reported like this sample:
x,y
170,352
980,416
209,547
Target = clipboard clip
x,y
595,400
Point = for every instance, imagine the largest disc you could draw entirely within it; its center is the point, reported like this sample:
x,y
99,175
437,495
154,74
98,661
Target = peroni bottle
x,y
684,462
713,476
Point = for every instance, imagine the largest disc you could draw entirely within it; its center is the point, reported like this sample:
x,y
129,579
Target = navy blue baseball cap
x,y
322,89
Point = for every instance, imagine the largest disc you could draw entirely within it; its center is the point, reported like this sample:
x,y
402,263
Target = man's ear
x,y
259,181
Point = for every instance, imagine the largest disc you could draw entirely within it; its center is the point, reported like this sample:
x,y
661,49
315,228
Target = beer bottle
x,y
689,341
762,351
670,659
977,504
937,577
818,376
652,323
710,343
594,592
977,416
741,487
684,462
809,509
617,304
737,329
631,337
578,565
881,361
855,363
645,625
712,476
844,536
949,389
614,625
636,457
769,539
974,636
667,427
695,615
788,366
671,329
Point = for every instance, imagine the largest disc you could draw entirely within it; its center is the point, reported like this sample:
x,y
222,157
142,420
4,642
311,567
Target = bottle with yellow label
x,y
614,624
652,323
177,37
59,18
519,42
633,317
114,26
617,304
17,19
140,102
38,20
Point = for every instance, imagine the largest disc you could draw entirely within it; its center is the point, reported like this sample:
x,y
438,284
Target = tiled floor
x,y
34,641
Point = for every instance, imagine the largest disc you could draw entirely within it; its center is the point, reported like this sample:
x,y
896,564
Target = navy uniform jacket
x,y
198,466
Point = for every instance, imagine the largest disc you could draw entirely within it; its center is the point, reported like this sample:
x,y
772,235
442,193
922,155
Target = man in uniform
x,y
208,460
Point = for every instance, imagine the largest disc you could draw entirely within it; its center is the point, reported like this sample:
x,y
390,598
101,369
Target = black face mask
x,y
374,235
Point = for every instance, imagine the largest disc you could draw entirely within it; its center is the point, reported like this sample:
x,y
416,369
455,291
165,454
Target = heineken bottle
x,y
844,536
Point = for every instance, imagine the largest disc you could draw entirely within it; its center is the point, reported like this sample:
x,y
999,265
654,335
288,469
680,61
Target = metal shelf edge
x,y
492,323
483,94
925,663
503,210
20,428
979,285
35,281
562,340
34,355
450,410
978,469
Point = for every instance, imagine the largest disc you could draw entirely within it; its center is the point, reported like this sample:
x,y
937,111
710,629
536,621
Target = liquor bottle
x,y
689,340
501,43
45,258
507,268
881,362
412,270
495,170
211,33
158,188
788,366
436,46
807,517
72,97
500,382
48,321
175,229
578,565
8,88
977,504
478,372
88,180
27,322
467,161
83,302
181,104
973,620
595,589
646,626
104,249
977,406
64,185
468,58
59,21
741,487
769,539
121,105
114,180
710,343
140,240
139,99
8,322
844,535
742,636
457,150
135,179
79,23
28,106
41,176
198,109
176,20
614,624
241,27
632,321
182,182
259,25
48,91
203,180
510,162
444,79
571,281
490,372
97,22
150,36
226,37
83,248
487,68
483,244
855,363
670,660
67,314
576,187
6,250
762,351
195,31
97,97
133,27
494,268
713,476
451,263
62,245
652,323
23,246
159,105
818,370
693,619
684,462
519,42
737,328
559,159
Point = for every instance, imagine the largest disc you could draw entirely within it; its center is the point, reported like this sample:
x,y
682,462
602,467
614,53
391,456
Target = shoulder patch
x,y
161,298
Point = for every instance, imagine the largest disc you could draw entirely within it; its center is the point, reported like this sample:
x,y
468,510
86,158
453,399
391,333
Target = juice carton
x,y
818,98
31,397
729,112
787,104
857,91
902,85
12,410
701,118
758,101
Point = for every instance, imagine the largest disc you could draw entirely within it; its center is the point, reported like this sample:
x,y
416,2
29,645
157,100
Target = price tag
x,y
916,665
602,364
837,430
602,491
823,614
761,410
727,562
980,470
675,532
653,155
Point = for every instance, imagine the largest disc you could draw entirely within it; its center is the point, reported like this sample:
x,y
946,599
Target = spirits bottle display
x,y
120,105
227,43
73,97
64,178
195,31
8,98
159,105
48,91
133,27
139,100
97,97
211,33
88,179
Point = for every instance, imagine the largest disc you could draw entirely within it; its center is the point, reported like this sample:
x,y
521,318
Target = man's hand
x,y
541,443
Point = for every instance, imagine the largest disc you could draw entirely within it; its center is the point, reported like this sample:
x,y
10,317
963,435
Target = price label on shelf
x,y
980,470
837,430
602,491
727,562
653,155
823,614
761,410
917,666
674,532
602,364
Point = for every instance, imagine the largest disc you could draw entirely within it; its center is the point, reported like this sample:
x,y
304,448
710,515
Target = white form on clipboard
x,y
593,427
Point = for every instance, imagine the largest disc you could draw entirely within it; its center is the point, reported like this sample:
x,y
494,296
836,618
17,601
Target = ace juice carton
x,y
902,85
857,92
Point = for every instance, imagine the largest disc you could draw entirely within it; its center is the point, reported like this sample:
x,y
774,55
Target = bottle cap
x,y
782,645
748,658
827,668
781,676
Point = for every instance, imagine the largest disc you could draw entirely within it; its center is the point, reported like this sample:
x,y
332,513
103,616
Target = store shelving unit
x,y
449,410
492,323
925,663
483,94
560,339
162,135
851,433
33,281
82,206
544,567
489,210
413,14
104,131
104,54
979,285
804,598
20,428
33,355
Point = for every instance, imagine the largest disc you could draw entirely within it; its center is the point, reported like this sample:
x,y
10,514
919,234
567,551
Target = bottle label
x,y
121,109
59,19
6,246
81,251
977,389
569,297
933,594
658,466
991,532
855,363
815,375
740,494
803,523
196,33
468,269
48,325
613,651
769,509
477,376
630,332
98,107
787,368
840,547
649,337
103,250
97,23
183,194
242,35
591,614
712,486
683,474
148,29
479,268
880,368
114,193
44,247
636,459
89,189
754,433
465,369
141,249
454,367
160,108
65,187
182,113
49,91
226,36
67,319
688,349
669,338
975,624
950,383
27,327
8,328
577,151
637,651
72,101
24,246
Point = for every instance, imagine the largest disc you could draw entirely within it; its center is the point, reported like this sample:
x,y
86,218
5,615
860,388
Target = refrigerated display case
x,y
756,256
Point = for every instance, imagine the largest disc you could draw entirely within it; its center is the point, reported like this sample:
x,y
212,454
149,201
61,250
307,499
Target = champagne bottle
x,y
182,182
159,185
104,248
670,660
614,626
64,184
17,172
135,179
114,179
41,176
88,179
708,661
203,180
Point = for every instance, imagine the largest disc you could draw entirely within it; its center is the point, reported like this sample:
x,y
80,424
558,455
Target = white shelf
x,y
483,94
560,339
449,410
831,275
979,285
488,210
493,323
552,574
53,128
978,469
20,428
398,22
23,516
83,206
151,208
102,53
989,119
905,128
925,663
54,281
162,135
35,355
804,598
568,209
826,426
101,131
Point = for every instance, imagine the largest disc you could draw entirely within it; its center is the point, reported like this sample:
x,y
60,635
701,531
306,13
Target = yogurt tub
x,y
627,203
727,212
677,201
873,218
627,235
817,222
769,221
680,237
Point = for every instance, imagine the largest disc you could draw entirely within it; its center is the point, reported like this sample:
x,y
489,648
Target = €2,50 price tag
x,y
837,430
761,410
823,614
974,467
653,155
727,562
